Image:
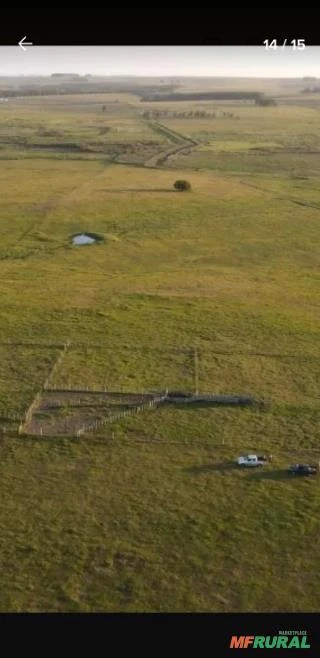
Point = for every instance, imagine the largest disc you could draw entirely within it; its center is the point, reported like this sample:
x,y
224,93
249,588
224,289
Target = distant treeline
x,y
258,97
197,114
311,90
75,76
81,88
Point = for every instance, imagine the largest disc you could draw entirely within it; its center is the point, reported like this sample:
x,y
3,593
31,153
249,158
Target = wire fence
x,y
55,366
171,350
37,399
10,422
70,401
90,427
97,390
10,417
218,443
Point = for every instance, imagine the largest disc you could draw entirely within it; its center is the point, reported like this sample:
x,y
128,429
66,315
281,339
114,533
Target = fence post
x,y
196,371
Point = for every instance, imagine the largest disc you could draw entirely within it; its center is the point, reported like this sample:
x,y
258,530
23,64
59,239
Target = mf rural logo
x,y
284,640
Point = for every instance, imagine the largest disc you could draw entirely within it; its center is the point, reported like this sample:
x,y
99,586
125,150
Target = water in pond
x,y
83,239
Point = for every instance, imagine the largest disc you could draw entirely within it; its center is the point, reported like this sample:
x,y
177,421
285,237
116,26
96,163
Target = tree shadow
x,y
138,189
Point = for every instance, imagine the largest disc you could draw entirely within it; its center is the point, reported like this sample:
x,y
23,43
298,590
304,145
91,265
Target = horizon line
x,y
140,75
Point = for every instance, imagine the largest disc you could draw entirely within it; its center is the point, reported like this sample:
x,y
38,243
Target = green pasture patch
x,y
217,289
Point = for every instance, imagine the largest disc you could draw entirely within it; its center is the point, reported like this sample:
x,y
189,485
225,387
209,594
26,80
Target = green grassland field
x,y
151,514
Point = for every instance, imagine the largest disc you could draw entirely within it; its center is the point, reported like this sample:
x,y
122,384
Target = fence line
x,y
46,346
146,401
164,350
157,399
104,391
36,400
10,416
227,443
55,366
29,412
196,370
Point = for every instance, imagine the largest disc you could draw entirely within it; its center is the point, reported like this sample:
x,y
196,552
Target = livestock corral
x,y
78,412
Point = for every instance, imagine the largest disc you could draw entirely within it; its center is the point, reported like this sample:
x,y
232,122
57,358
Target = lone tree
x,y
182,185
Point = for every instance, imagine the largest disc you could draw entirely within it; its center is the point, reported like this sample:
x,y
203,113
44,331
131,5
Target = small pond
x,y
85,238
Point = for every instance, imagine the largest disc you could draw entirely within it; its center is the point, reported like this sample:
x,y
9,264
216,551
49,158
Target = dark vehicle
x,y
303,469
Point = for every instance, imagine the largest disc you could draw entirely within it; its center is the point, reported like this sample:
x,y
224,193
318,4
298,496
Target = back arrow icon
x,y
26,43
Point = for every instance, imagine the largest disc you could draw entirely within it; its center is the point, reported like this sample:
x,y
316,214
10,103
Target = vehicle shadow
x,y
278,474
211,468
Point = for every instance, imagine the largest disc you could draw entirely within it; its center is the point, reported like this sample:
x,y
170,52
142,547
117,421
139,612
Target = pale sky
x,y
243,61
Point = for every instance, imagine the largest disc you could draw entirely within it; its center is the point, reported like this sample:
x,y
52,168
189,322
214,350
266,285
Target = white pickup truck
x,y
251,460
